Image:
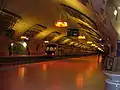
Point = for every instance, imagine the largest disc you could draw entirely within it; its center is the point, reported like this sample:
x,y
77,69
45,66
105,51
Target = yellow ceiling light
x,y
76,44
81,37
96,46
100,49
89,42
24,37
71,43
93,45
61,24
65,41
46,41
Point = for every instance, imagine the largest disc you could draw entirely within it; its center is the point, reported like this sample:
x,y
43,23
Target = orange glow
x,y
21,72
92,67
88,73
79,81
61,23
44,67
100,58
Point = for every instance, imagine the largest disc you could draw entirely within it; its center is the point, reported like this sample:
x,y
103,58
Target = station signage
x,y
73,32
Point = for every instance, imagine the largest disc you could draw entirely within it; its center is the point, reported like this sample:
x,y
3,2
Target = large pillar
x,y
4,46
117,57
118,46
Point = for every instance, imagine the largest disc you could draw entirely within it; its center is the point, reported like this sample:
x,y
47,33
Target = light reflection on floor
x,y
71,74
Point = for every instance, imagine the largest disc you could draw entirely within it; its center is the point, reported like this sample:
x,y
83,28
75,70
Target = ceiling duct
x,y
77,14
7,20
52,36
34,30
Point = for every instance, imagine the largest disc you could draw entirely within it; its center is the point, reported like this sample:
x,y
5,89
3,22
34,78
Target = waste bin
x,y
113,82
112,85
109,63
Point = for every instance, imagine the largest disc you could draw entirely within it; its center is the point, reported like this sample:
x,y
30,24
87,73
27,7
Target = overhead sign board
x,y
73,32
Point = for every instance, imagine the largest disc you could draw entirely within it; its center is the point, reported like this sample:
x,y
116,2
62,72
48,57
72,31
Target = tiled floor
x,y
70,74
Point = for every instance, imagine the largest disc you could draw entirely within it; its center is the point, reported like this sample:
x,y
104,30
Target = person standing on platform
x,y
10,50
99,53
28,51
105,56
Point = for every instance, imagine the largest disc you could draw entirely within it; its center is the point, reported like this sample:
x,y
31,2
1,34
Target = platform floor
x,y
69,74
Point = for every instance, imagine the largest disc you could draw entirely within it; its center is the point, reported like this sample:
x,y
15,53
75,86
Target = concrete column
x,y
4,44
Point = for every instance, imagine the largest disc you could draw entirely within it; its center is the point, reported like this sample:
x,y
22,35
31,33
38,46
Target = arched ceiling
x,y
113,5
104,10
39,17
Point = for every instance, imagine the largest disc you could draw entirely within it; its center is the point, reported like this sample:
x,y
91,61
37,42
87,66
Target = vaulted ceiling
x,y
37,19
113,10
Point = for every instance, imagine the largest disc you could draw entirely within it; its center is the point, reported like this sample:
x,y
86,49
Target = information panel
x,y
73,32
